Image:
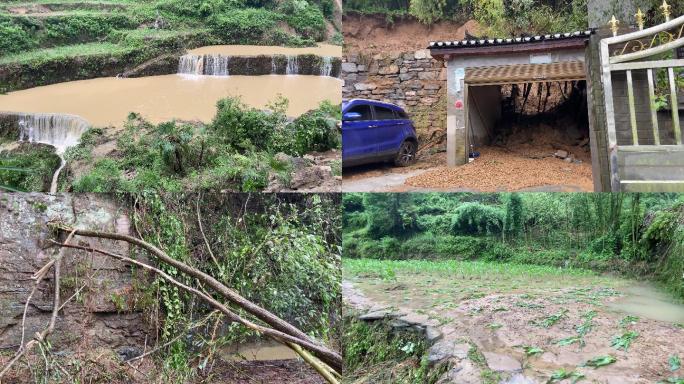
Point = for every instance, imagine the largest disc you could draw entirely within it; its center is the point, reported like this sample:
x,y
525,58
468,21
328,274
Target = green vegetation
x,y
28,168
376,354
497,18
278,251
104,38
638,235
238,150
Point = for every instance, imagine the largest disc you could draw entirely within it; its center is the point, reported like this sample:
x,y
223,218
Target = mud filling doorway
x,y
532,116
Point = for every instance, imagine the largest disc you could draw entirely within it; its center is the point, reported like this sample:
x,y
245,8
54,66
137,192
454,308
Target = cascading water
x,y
273,65
326,66
59,131
211,65
292,65
191,65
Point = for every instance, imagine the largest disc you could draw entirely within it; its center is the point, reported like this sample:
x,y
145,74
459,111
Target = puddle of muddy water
x,y
650,303
258,351
108,101
254,50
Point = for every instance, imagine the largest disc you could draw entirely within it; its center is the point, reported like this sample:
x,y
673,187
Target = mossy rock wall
x,y
9,126
264,65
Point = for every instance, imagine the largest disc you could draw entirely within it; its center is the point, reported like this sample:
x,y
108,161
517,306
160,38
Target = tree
x,y
513,224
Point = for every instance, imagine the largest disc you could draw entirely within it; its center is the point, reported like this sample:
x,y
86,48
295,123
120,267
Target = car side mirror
x,y
351,116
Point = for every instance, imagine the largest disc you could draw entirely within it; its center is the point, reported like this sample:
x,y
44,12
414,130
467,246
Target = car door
x,y
388,130
359,141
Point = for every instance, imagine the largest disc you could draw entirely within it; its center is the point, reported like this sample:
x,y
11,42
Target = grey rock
x,y
377,315
432,334
440,351
128,353
502,363
349,67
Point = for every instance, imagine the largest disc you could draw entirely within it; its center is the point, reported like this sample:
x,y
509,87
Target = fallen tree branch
x,y
328,356
40,336
277,335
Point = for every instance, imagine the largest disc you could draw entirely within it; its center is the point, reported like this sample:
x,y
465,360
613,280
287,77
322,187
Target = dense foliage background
x,y
641,235
281,251
496,17
288,22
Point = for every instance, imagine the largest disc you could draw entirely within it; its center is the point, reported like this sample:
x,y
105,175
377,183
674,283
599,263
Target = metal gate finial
x,y
640,19
614,25
666,10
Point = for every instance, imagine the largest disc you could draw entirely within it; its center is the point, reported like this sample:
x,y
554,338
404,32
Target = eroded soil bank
x,y
524,324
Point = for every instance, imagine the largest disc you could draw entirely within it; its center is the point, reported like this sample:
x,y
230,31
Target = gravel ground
x,y
500,170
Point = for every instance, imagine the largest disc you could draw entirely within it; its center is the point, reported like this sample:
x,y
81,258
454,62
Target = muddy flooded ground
x,y
108,101
529,323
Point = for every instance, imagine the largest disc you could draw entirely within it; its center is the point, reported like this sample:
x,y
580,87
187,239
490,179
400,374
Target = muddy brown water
x,y
258,351
648,302
108,101
254,50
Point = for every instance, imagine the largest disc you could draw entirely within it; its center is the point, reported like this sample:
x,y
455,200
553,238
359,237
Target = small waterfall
x,y
191,65
326,66
273,65
292,65
211,65
59,131
217,65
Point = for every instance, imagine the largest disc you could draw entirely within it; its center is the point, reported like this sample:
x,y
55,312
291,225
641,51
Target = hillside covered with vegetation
x,y
44,38
639,235
497,18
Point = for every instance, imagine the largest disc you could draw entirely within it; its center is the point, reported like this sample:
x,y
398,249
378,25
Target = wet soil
x,y
265,372
500,314
373,34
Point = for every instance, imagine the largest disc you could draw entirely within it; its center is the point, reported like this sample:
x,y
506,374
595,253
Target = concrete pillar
x,y
456,132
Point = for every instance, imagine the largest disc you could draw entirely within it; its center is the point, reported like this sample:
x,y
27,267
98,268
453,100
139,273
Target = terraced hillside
x,y
44,42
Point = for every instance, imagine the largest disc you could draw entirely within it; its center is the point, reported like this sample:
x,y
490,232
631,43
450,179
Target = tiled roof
x,y
509,41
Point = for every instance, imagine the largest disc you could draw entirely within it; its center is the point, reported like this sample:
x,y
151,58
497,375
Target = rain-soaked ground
x,y
530,323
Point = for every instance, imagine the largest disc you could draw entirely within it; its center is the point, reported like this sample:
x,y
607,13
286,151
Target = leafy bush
x,y
244,26
14,39
477,218
306,19
28,168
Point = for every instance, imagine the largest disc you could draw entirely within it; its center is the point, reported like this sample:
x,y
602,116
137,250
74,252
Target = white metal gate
x,y
640,73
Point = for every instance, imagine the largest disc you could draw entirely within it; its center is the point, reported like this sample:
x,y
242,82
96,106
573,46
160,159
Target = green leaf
x,y
599,361
675,363
623,342
531,350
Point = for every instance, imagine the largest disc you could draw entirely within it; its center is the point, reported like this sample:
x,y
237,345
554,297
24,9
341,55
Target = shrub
x,y
477,218
14,39
242,127
305,18
244,26
104,178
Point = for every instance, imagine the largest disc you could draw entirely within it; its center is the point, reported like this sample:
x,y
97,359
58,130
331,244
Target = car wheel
x,y
406,155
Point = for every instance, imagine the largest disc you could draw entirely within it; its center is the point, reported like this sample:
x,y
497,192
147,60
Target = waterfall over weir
x,y
59,131
292,65
211,65
326,66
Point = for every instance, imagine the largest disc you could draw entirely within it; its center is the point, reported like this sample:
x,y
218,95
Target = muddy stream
x,y
108,101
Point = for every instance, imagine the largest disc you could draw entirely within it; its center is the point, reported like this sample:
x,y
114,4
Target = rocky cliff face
x,y
99,316
413,80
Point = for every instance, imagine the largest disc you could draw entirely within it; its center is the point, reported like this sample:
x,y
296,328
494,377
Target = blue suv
x,y
373,131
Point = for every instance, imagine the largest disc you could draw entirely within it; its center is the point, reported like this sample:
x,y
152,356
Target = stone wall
x,y
413,80
98,317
